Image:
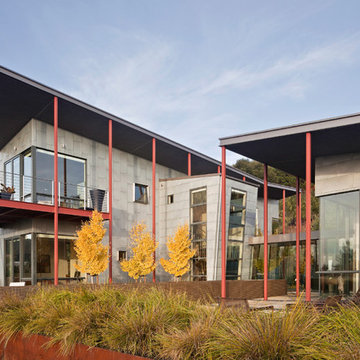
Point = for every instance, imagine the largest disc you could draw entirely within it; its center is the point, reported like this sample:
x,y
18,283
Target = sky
x,y
192,70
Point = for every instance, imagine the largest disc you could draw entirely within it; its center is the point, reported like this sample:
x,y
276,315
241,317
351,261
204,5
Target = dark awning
x,y
22,99
284,148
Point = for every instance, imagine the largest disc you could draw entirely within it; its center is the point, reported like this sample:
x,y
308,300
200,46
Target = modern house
x,y
63,158
325,153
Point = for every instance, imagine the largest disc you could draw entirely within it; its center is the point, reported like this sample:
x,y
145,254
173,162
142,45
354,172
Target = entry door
x,y
12,260
18,259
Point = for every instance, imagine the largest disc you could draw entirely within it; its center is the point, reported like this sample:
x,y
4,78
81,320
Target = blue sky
x,y
194,70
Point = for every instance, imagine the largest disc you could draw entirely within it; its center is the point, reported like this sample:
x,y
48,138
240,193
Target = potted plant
x,y
6,192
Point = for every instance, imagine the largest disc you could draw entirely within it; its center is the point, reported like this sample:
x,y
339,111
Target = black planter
x,y
97,198
5,195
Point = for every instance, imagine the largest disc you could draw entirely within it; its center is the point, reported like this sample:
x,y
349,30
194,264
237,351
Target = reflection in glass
x,y
27,182
45,258
71,178
339,243
235,234
27,256
141,193
198,233
282,263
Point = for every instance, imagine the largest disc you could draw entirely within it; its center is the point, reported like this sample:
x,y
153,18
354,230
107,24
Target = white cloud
x,y
146,87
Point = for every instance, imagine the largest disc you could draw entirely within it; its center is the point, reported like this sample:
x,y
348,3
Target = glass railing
x,y
25,188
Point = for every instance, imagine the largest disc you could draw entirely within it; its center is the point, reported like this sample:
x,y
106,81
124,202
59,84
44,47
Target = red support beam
x,y
265,232
56,193
153,198
308,219
189,164
110,201
283,211
223,223
298,222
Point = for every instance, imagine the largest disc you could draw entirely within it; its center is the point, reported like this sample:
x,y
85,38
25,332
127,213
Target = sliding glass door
x,y
18,259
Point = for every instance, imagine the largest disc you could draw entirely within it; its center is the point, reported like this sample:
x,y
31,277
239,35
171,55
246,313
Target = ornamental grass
x,y
159,324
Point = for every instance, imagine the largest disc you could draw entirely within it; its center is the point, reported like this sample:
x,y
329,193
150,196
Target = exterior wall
x,y
127,170
178,213
336,174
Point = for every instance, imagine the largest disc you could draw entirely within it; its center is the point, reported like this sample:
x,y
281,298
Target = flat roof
x,y
284,147
22,99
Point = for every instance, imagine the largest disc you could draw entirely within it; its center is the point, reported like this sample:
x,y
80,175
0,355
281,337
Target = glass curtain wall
x,y
339,243
282,263
236,231
198,222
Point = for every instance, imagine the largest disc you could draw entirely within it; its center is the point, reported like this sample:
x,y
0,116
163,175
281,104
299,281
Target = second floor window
x,y
141,194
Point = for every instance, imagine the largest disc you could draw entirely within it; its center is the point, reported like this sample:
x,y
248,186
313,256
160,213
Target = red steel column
x,y
298,220
308,218
265,232
223,223
300,225
110,201
153,198
56,193
189,164
283,211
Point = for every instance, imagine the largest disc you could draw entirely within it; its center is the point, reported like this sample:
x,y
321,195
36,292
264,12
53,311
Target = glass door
x,y
18,264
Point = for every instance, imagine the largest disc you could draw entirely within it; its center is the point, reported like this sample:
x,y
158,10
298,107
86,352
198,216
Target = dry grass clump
x,y
164,325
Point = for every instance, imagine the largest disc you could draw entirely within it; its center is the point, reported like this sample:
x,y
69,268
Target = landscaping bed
x,y
160,324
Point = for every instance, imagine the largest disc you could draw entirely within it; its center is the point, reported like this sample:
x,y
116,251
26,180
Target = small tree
x,y
180,253
91,253
143,247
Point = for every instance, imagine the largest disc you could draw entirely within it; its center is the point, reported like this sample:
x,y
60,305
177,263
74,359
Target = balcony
x,y
37,194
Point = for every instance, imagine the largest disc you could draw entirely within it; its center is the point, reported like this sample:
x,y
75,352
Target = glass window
x,y
235,234
72,178
339,243
141,194
12,176
45,258
27,256
28,179
198,227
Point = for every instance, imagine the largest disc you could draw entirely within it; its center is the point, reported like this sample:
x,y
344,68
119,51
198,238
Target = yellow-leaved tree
x,y
180,253
91,253
143,247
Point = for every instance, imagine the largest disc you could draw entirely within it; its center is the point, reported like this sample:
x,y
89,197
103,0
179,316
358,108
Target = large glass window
x,y
235,234
71,178
282,263
198,220
45,258
12,176
339,243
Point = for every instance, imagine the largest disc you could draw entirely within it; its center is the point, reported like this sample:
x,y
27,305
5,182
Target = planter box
x,y
5,196
32,347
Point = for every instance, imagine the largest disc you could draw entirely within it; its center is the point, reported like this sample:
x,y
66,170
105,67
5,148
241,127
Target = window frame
x,y
147,194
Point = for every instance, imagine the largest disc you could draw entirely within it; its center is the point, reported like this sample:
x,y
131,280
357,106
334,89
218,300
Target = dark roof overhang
x,y
285,148
22,99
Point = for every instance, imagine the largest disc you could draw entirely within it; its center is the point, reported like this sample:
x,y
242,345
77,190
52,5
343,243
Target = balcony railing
x,y
41,191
